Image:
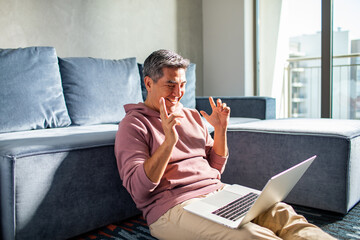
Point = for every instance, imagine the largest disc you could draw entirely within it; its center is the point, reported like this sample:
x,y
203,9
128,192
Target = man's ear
x,y
148,83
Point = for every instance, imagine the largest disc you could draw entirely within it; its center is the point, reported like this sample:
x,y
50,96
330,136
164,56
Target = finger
x,y
212,103
218,102
174,122
163,111
226,110
204,114
175,116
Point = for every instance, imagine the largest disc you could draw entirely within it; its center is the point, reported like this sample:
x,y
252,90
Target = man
x,y
167,159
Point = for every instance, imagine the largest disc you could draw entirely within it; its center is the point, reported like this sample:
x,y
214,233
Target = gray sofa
x,y
58,120
265,148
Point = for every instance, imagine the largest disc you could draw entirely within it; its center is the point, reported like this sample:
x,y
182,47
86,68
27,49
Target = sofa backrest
x,y
96,89
30,90
40,90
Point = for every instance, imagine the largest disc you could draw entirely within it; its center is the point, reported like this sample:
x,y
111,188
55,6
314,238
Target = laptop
x,y
237,205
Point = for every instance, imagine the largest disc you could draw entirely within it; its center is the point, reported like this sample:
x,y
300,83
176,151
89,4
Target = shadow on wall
x,y
190,36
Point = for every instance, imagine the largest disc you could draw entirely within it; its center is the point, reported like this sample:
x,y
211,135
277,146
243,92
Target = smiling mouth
x,y
175,101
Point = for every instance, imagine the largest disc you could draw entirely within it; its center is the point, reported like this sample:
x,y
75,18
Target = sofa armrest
x,y
249,107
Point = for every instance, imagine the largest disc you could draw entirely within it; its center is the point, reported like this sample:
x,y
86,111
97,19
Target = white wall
x,y
228,47
105,28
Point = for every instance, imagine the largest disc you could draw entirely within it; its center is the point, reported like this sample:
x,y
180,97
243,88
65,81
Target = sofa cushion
x,y
30,90
143,88
234,123
96,89
306,126
44,141
265,148
189,99
45,182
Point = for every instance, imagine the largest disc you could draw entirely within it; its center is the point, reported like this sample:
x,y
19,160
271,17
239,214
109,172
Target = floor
x,y
340,226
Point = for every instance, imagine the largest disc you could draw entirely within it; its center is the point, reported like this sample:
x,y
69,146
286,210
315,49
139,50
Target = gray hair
x,y
159,59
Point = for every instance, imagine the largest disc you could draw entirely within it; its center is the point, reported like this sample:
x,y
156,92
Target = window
x,y
289,55
346,60
303,66
295,64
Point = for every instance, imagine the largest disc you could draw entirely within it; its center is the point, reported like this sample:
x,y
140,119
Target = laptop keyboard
x,y
236,209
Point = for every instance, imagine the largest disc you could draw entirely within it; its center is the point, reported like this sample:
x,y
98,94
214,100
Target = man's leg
x,y
177,223
287,224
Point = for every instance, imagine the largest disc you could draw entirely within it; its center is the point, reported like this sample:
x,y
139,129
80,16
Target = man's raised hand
x,y
219,117
155,166
168,123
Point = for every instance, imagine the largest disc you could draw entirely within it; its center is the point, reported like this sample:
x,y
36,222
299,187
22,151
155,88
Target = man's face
x,y
171,86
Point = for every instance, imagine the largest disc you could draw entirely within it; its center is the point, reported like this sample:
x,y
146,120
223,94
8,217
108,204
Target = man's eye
x,y
171,86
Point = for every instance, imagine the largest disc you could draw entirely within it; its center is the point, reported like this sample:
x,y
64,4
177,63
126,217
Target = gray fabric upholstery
x,y
96,89
321,127
143,88
259,150
248,107
233,122
27,143
65,182
188,100
30,90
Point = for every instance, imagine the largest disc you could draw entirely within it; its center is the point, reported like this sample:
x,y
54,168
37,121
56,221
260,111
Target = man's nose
x,y
177,91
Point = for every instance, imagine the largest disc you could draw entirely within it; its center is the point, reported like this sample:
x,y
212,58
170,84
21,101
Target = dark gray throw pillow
x,y
30,90
189,99
96,89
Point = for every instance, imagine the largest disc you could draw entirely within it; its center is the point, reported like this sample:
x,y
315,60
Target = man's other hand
x,y
219,117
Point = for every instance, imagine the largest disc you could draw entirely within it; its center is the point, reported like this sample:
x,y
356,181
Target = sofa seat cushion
x,y
26,143
30,90
328,127
60,177
96,89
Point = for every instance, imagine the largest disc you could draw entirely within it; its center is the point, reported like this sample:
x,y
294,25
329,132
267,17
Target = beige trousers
x,y
279,222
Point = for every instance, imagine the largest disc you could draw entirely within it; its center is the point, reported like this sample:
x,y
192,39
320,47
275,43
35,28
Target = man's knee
x,y
283,206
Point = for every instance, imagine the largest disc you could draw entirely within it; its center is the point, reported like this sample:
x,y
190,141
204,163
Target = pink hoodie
x,y
193,170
